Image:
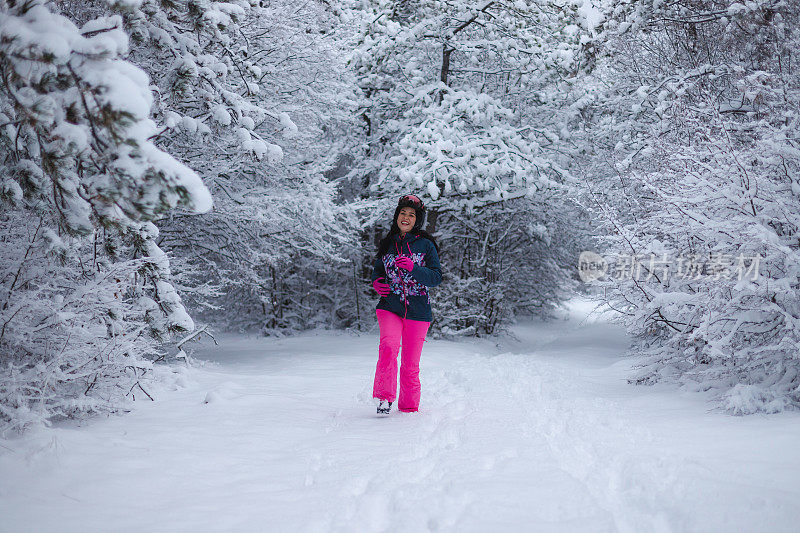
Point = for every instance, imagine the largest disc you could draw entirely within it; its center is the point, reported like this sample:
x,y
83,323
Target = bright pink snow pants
x,y
395,329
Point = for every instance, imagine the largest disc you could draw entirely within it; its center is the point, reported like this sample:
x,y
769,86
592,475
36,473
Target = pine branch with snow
x,y
87,291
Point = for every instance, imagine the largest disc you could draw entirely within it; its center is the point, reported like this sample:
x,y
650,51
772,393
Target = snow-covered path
x,y
538,435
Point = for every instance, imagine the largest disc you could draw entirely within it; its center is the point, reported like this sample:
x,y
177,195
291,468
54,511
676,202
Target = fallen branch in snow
x,y
192,336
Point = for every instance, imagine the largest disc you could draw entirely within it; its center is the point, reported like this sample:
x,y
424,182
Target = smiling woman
x,y
407,264
406,219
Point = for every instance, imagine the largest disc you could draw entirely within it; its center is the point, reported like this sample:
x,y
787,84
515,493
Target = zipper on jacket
x,y
403,283
405,296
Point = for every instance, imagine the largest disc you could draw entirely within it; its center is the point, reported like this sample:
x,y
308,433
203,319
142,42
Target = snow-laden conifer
x,y
86,292
254,97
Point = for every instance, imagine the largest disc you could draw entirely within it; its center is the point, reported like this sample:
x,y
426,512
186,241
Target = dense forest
x,y
172,168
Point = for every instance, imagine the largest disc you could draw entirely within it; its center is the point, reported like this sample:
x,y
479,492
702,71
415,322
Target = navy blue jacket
x,y
409,290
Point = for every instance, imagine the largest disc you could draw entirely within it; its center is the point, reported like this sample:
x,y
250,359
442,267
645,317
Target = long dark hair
x,y
383,245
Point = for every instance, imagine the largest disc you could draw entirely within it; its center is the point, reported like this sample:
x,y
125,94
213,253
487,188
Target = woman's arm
x,y
429,275
378,270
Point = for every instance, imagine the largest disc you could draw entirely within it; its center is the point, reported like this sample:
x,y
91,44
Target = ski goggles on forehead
x,y
410,198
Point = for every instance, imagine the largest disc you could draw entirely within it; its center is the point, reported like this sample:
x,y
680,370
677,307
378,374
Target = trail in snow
x,y
537,435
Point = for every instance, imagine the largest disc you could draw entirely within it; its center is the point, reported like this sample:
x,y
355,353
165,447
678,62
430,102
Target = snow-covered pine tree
x,y
85,291
464,103
696,113
253,96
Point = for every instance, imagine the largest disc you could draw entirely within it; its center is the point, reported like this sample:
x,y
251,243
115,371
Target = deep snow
x,y
539,434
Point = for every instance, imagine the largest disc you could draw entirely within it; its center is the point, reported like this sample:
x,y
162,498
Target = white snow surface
x,y
537,434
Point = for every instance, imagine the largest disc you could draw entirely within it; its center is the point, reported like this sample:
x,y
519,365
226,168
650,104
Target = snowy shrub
x,y
698,123
515,259
74,338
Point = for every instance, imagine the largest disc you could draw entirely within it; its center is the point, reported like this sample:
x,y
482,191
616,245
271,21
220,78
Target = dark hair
x,y
385,242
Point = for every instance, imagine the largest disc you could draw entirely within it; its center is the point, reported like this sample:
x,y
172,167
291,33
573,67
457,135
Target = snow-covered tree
x,y
695,119
466,104
254,97
86,292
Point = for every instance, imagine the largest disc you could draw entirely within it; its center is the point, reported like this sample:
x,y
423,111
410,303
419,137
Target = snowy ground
x,y
538,435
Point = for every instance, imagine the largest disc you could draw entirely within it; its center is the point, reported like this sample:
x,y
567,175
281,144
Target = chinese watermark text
x,y
654,267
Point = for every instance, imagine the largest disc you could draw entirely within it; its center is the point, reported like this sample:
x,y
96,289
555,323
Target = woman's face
x,y
406,219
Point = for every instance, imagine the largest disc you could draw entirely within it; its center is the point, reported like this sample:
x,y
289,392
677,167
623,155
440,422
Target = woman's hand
x,y
381,287
406,263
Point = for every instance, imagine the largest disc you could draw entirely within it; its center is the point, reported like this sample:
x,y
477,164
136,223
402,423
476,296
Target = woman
x,y
407,264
